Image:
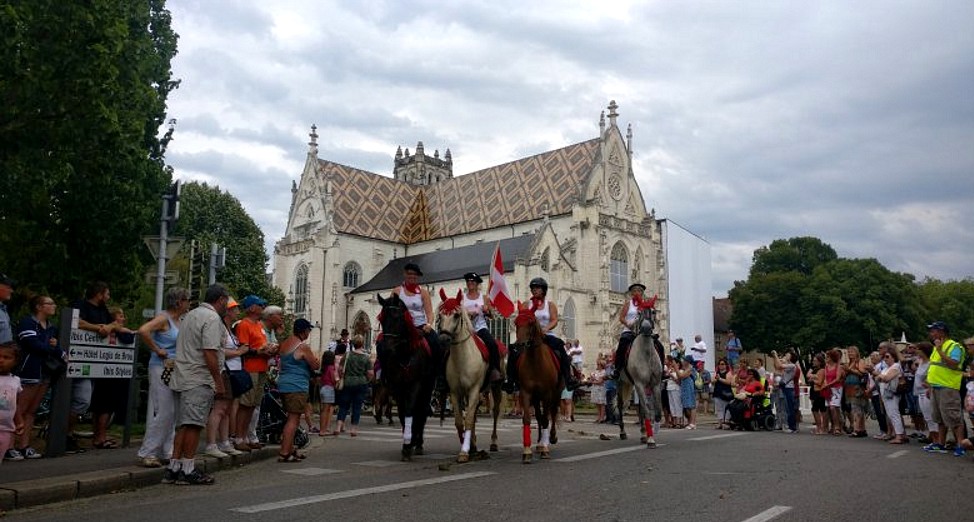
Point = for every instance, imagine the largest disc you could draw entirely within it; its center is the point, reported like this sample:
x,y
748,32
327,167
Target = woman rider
x,y
627,316
420,307
547,315
478,306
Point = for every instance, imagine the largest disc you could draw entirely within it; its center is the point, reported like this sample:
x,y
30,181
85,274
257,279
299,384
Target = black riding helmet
x,y
539,282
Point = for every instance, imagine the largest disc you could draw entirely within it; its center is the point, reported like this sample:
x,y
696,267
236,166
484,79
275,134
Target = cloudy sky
x,y
752,121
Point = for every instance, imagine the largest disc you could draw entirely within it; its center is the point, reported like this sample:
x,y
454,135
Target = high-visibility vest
x,y
942,375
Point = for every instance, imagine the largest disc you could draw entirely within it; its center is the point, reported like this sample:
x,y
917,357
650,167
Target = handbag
x,y
240,382
340,383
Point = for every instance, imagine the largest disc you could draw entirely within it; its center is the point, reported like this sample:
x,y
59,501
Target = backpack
x,y
708,378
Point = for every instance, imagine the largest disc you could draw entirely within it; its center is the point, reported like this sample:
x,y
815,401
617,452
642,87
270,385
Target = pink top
x,y
328,375
9,389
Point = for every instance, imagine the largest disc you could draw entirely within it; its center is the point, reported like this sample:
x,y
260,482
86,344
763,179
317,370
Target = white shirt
x,y
543,315
699,351
476,306
577,354
414,304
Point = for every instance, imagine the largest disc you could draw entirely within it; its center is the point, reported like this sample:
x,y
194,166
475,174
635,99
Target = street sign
x,y
91,356
148,313
173,244
172,277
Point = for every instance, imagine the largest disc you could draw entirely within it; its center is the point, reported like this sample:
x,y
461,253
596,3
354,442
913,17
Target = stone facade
x,y
592,233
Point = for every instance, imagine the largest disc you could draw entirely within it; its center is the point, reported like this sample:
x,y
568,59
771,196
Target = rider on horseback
x,y
420,307
547,315
478,306
628,315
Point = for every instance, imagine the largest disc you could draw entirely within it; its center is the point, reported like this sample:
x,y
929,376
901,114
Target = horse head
x,y
451,319
394,317
646,318
526,327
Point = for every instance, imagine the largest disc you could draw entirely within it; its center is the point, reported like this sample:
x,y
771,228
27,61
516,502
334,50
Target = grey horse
x,y
643,371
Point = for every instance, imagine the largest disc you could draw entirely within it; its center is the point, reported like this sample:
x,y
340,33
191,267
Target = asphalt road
x,y
703,474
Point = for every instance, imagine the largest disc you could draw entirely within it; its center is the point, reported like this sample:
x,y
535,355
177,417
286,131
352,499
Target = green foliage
x,y
208,215
798,254
951,302
83,89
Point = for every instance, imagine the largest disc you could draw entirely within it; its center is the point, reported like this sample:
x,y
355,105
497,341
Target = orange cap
x,y
231,304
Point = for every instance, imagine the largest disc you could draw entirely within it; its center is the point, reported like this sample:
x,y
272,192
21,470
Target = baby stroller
x,y
751,414
270,424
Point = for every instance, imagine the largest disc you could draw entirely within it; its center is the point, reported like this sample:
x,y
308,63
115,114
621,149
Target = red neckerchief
x,y
537,303
411,288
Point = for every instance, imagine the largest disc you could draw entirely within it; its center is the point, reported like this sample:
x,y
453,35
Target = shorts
x,y
255,395
80,395
193,406
947,407
327,395
295,402
566,395
836,400
818,403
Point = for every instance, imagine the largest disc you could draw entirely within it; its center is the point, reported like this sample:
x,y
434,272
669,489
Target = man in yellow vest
x,y
944,378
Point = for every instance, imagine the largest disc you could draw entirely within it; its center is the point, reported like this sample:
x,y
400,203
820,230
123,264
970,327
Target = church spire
x,y
612,113
313,144
629,140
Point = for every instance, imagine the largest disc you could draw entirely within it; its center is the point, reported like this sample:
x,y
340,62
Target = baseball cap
x,y
302,325
938,325
7,280
232,303
252,300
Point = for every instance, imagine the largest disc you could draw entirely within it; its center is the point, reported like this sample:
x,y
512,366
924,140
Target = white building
x,y
575,216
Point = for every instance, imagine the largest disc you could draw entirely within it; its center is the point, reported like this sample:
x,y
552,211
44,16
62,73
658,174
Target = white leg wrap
x,y
407,431
465,447
546,437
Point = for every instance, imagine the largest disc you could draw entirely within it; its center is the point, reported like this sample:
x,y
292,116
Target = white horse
x,y
466,369
643,370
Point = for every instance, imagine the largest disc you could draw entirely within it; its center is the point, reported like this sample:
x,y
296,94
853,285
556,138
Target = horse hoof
x,y
526,458
407,454
493,447
642,440
623,436
390,422
554,439
463,458
545,455
651,444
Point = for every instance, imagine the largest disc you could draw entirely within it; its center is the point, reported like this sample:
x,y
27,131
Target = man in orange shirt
x,y
250,333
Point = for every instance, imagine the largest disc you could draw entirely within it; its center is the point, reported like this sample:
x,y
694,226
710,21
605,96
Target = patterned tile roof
x,y
380,207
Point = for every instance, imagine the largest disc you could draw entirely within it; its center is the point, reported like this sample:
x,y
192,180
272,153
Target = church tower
x,y
420,169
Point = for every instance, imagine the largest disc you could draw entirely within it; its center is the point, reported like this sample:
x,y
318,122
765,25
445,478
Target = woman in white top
x,y
420,308
922,390
478,307
546,313
888,380
627,316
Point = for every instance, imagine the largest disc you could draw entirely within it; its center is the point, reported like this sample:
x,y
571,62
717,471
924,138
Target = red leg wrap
x,y
649,427
526,435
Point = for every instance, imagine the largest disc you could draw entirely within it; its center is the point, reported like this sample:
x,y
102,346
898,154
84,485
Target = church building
x,y
574,215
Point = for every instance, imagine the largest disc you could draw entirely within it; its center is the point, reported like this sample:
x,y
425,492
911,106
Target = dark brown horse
x,y
407,369
540,384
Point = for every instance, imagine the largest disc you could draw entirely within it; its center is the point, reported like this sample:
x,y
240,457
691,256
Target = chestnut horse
x,y
540,383
407,370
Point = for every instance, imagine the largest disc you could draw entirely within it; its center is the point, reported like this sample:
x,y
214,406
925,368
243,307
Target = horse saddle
x,y
551,353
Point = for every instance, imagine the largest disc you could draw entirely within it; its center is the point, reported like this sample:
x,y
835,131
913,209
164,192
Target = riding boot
x,y
566,370
510,384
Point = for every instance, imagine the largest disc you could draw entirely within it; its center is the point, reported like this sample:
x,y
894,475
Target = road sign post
x,y
57,431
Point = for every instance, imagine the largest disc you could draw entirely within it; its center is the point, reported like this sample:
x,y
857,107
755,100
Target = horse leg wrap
x,y
407,431
649,427
465,447
526,435
545,437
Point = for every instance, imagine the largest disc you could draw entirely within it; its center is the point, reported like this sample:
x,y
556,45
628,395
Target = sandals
x,y
288,458
105,444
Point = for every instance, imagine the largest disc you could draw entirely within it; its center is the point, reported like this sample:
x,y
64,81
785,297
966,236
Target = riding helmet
x,y
538,282
473,276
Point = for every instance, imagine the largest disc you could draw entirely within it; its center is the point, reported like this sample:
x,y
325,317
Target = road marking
x,y
311,472
897,454
712,437
768,514
379,463
598,454
303,501
723,473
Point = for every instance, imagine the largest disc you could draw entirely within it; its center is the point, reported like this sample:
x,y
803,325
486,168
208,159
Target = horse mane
x,y
525,317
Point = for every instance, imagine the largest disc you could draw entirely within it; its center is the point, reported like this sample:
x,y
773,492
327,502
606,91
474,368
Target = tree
x,y
83,89
208,215
951,302
798,254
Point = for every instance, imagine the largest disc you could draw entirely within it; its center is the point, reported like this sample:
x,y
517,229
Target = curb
x,y
29,493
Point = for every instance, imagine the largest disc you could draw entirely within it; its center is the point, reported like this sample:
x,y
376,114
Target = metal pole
x,y
213,252
57,431
161,265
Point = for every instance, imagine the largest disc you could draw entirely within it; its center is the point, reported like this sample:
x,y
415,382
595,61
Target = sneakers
x,y
213,451
169,476
229,449
193,478
30,453
13,455
959,451
936,448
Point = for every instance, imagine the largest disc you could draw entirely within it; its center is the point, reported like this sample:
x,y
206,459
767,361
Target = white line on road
x,y
598,454
712,437
302,501
897,454
769,513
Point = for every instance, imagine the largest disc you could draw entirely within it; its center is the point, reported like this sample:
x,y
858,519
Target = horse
x,y
540,383
643,370
408,371
381,401
466,369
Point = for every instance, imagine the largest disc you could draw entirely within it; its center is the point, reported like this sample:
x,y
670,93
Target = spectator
x,y
6,291
787,367
356,373
329,376
197,380
688,395
41,357
597,389
734,348
672,369
834,378
104,397
759,366
909,401
854,390
577,354
340,345
159,335
678,351
922,391
740,375
889,380
944,377
297,363
819,394
723,391
611,390
698,352
567,403
218,443
251,334
10,423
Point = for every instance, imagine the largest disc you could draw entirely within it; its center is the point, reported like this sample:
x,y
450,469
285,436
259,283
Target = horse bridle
x,y
451,335
398,309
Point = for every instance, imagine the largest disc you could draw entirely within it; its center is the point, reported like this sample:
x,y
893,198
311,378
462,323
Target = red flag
x,y
497,290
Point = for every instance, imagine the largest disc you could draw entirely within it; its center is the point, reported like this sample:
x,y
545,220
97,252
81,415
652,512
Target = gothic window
x,y
546,259
500,328
619,268
351,275
567,319
301,292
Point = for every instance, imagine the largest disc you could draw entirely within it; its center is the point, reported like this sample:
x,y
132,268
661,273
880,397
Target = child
x,y
10,423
